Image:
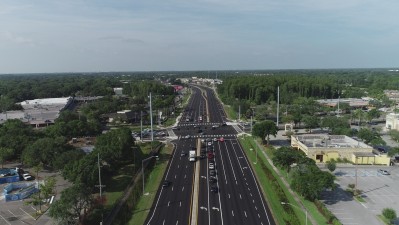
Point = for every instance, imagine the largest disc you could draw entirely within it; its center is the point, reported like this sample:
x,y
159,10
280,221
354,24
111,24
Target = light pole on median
x,y
142,167
305,211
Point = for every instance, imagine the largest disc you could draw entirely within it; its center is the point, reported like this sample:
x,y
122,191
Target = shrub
x,y
389,213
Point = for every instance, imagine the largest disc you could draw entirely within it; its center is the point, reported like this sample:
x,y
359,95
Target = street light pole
x,y
142,168
305,211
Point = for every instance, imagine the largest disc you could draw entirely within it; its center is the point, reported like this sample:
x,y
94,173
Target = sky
x,y
45,36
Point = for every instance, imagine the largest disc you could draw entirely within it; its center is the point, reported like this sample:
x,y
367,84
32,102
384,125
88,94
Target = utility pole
x,y
251,124
239,113
141,125
278,104
152,132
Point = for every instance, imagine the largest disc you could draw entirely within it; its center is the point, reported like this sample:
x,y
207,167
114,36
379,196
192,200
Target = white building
x,y
392,121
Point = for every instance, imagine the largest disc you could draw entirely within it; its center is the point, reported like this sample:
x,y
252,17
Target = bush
x,y
389,214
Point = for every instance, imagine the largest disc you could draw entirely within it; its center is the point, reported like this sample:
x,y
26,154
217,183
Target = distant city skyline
x,y
47,36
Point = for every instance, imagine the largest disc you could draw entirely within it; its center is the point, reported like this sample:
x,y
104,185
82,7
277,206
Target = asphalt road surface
x,y
231,196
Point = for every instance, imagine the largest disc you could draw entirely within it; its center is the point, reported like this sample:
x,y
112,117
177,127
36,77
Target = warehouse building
x,y
38,112
324,147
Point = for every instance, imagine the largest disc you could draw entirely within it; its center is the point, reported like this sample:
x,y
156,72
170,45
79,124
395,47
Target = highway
x,y
237,198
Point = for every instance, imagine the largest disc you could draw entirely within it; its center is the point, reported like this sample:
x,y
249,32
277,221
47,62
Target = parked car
x,y
183,154
27,176
212,172
383,172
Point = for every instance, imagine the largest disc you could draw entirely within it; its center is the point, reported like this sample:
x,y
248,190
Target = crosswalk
x,y
197,124
208,136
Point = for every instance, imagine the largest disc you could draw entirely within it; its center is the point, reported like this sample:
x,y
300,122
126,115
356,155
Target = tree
x,y
311,122
331,165
373,114
74,201
389,214
5,154
285,157
115,145
264,129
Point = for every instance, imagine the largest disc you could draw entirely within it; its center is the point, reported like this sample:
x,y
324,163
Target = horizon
x,y
200,35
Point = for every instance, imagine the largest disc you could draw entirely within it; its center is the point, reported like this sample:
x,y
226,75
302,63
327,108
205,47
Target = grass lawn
x,y
231,114
155,177
273,200
117,184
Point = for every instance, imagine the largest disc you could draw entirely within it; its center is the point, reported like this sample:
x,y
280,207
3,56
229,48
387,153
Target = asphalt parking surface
x,y
379,191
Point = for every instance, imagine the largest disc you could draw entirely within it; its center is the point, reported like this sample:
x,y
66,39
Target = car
x,y
215,139
212,172
224,124
183,154
202,156
27,176
221,139
199,131
175,128
214,189
210,155
187,136
209,143
383,172
166,184
211,166
212,179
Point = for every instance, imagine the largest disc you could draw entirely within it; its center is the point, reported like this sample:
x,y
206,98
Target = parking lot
x,y
379,191
13,213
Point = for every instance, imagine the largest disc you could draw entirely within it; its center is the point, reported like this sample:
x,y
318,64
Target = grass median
x,y
153,181
275,191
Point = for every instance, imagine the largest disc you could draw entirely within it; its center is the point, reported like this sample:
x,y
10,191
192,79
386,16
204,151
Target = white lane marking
x,y
258,215
27,214
180,203
224,170
257,187
231,164
12,213
160,194
240,196
245,214
186,166
175,176
229,195
178,166
177,222
163,222
168,203
5,220
232,212
204,208
256,208
185,176
235,152
250,194
182,189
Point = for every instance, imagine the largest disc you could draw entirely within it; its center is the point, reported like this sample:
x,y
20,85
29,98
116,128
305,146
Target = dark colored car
x,y
212,172
166,184
212,179
210,155
214,189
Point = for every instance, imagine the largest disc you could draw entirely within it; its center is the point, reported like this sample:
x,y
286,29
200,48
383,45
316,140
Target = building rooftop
x,y
354,102
330,141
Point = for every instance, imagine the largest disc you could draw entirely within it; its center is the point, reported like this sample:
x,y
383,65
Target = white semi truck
x,y
192,156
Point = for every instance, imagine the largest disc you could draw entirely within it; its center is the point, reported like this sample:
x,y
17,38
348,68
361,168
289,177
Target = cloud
x,y
8,36
122,39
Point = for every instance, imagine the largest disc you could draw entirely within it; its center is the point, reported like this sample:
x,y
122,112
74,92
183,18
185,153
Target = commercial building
x,y
324,147
38,112
392,121
353,102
